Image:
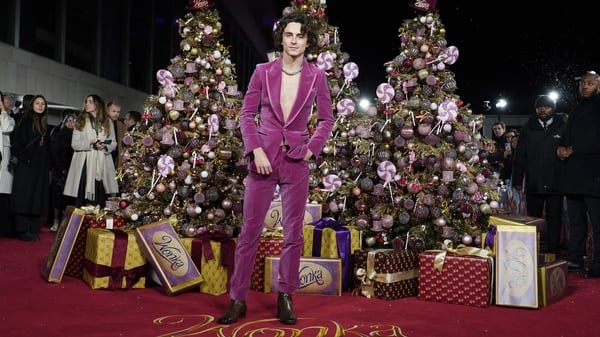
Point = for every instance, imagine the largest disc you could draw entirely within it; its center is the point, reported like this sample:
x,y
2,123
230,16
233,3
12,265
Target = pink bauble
x,y
423,129
407,132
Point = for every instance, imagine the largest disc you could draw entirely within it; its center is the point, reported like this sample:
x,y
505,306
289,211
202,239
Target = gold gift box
x,y
517,220
552,280
329,247
214,274
100,244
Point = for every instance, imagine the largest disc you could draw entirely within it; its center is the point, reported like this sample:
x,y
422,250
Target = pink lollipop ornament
x,y
451,55
332,182
386,170
385,92
165,165
164,77
345,107
350,71
324,61
213,123
447,111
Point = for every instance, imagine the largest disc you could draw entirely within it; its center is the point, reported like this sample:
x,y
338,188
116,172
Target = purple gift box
x,y
317,275
165,252
63,244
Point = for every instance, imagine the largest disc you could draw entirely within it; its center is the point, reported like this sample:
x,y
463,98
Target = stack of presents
x,y
508,270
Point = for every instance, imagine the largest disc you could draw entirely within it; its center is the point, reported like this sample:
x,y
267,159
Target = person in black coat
x,y
31,188
62,152
580,149
536,163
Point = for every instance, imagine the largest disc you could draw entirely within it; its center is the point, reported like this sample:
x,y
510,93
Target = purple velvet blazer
x,y
269,130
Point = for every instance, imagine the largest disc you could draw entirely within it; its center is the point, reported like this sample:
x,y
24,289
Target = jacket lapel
x,y
273,86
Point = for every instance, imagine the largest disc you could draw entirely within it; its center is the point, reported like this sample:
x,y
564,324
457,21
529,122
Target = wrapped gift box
x,y
113,260
545,258
268,246
456,279
167,255
214,260
91,220
274,219
328,238
552,282
516,266
63,244
489,239
387,273
317,275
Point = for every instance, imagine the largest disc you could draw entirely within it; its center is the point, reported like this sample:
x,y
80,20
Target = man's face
x,y
498,130
128,120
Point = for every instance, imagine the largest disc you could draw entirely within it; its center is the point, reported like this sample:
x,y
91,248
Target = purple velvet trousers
x,y
292,177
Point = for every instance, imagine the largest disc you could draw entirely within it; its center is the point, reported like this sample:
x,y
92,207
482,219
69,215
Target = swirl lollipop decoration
x,y
165,165
164,77
451,55
386,170
345,107
213,124
446,112
385,92
324,61
332,182
350,71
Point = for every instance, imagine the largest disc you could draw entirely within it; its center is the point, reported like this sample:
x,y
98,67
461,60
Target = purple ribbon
x,y
489,238
342,235
117,271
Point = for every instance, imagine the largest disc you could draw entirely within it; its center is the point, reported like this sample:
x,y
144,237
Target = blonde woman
x,y
91,174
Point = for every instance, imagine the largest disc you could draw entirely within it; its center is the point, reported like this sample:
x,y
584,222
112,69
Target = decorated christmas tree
x,y
418,173
184,161
329,171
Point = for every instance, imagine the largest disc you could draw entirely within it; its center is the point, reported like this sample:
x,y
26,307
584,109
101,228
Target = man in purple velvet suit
x,y
274,124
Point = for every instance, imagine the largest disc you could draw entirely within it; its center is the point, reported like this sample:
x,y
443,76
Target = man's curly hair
x,y
308,26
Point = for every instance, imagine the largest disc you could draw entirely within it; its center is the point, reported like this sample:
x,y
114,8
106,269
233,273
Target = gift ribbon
x,y
440,257
342,235
117,271
369,276
201,247
490,237
462,250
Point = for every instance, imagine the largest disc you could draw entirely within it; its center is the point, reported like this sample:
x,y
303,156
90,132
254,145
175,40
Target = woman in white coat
x,y
7,125
91,174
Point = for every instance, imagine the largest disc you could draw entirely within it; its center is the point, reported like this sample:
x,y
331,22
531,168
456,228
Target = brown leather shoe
x,y
236,310
285,313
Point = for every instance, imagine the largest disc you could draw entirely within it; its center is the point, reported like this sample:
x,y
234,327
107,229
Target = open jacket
x,y
261,119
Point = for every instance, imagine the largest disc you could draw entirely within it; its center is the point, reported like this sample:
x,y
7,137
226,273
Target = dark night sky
x,y
505,51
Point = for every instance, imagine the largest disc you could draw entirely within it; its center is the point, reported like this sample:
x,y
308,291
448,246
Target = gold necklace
x,y
292,73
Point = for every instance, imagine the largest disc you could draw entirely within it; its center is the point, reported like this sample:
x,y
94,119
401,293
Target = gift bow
x,y
440,257
368,276
117,272
276,233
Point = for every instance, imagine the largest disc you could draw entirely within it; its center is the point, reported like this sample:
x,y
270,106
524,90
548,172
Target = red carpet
x,y
30,306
